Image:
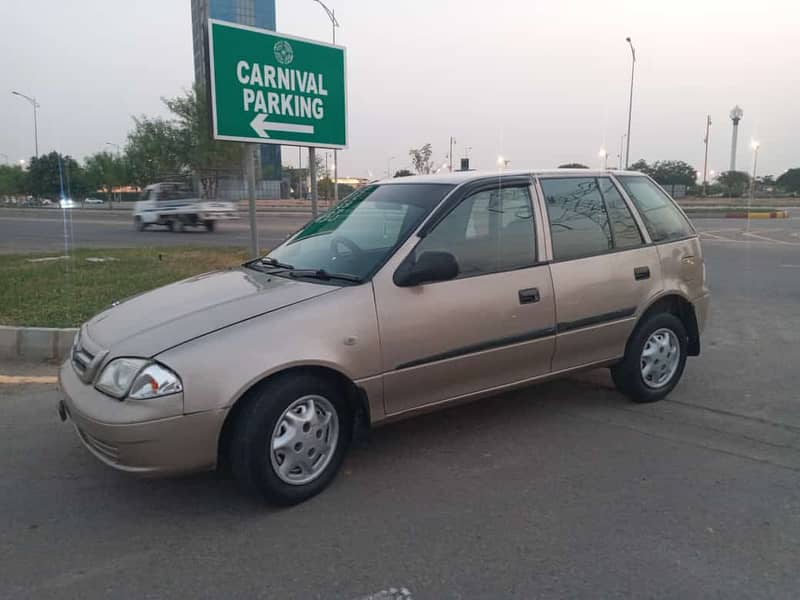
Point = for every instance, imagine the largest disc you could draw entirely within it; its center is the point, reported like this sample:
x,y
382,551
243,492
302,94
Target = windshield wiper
x,y
325,275
272,262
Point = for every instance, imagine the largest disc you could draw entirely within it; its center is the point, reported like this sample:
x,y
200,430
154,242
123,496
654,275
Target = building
x,y
256,13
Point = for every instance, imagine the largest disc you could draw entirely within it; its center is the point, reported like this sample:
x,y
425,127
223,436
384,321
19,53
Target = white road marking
x,y
402,593
768,239
791,266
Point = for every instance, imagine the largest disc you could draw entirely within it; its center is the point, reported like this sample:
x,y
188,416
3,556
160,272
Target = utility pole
x,y
621,146
630,102
334,24
705,159
312,170
452,141
248,160
35,105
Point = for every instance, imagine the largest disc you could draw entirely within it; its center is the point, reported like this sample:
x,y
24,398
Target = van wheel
x,y
290,438
654,359
139,224
170,225
181,226
209,226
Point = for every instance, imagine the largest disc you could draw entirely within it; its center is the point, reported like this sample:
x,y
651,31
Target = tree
x,y
572,166
673,172
403,173
46,176
789,181
421,159
153,152
734,183
641,166
104,171
13,180
197,151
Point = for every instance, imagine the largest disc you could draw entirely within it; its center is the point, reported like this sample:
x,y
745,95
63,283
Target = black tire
x,y
210,226
250,445
627,374
170,225
139,224
180,226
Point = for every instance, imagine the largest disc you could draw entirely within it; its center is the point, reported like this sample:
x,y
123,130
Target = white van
x,y
175,206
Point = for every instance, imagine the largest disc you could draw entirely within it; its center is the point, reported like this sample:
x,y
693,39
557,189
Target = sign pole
x,y
250,174
335,152
312,171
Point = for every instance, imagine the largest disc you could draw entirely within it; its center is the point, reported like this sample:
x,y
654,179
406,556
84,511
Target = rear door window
x,y
579,223
664,221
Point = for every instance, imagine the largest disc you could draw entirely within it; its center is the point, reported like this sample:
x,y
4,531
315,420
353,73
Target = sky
x,y
540,83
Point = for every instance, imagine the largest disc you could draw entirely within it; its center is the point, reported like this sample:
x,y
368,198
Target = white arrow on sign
x,y
261,126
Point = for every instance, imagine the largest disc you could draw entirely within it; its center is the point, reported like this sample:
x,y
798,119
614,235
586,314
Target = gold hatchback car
x,y
411,294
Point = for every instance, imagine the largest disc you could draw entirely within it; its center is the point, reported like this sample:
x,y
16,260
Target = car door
x,y
492,325
604,273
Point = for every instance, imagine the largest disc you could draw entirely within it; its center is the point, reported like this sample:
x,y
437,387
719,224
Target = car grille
x,y
86,357
104,449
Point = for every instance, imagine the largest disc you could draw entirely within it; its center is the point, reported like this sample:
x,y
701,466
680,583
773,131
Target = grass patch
x,y
65,293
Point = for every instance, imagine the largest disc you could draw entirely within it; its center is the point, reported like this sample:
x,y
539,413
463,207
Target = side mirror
x,y
429,267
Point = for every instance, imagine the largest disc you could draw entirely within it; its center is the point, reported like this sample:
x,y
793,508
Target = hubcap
x,y
304,440
660,357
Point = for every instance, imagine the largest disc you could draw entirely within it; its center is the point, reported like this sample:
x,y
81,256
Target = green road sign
x,y
276,89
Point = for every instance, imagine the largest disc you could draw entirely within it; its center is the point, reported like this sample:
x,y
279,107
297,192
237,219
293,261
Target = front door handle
x,y
640,273
529,296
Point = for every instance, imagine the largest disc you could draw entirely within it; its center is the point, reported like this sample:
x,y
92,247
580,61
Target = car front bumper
x,y
701,305
129,436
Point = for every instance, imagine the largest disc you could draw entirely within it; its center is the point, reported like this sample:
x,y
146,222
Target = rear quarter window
x,y
664,221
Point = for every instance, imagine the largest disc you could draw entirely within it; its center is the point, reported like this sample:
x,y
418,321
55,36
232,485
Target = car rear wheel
x,y
654,359
209,225
139,224
290,438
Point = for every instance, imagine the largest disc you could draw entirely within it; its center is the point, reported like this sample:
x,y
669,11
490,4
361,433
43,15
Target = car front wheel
x,y
654,359
290,438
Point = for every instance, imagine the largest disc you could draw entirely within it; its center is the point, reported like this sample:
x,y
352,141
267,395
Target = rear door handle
x,y
640,273
529,296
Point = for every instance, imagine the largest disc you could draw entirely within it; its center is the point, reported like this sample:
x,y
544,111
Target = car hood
x,y
150,323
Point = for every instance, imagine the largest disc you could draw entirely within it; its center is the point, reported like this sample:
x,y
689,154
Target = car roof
x,y
458,177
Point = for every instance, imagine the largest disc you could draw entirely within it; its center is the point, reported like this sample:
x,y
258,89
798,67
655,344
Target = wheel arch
x,y
680,306
356,398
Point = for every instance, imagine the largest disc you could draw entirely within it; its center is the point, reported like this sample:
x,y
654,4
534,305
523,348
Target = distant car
x,y
94,201
66,203
46,202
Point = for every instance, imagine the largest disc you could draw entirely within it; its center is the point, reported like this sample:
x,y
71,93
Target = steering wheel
x,y
340,240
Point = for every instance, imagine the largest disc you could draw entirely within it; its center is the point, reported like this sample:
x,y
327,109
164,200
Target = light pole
x,y
705,159
334,24
389,167
603,154
621,147
755,145
35,105
452,141
736,115
630,103
113,145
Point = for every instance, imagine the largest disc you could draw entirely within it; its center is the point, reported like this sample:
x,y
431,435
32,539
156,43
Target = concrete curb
x,y
736,214
35,343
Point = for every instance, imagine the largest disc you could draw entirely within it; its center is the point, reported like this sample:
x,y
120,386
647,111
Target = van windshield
x,y
360,233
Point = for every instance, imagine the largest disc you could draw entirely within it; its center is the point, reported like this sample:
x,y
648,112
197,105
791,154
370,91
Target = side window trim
x,y
689,222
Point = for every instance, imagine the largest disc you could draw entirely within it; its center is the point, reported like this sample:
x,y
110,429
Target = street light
x,y
755,145
115,146
35,105
705,158
603,154
334,24
621,145
630,102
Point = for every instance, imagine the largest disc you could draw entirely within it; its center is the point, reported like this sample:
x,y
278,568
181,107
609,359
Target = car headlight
x,y
138,379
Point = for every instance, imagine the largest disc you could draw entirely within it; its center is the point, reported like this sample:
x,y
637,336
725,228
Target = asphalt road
x,y
563,490
43,230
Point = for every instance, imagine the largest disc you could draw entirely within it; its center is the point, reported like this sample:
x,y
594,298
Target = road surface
x,y
563,490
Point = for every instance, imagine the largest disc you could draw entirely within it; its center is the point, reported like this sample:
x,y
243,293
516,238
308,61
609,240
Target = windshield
x,y
361,232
